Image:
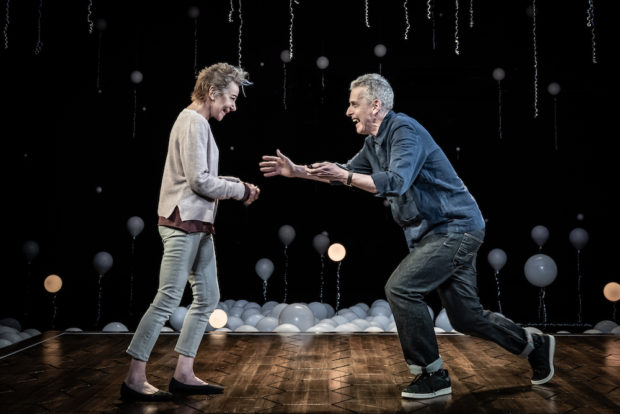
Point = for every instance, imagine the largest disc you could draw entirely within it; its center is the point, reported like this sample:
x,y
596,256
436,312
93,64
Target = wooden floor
x,y
306,373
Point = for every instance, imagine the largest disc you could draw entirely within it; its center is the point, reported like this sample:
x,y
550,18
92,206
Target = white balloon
x,y
592,331
4,343
540,270
12,337
357,310
320,242
73,329
347,327
380,50
264,268
374,329
286,233
6,329
553,88
249,312
499,74
267,324
298,315
497,259
322,62
363,306
286,327
540,234
115,327
579,238
193,12
136,76
330,310
442,321
166,329
606,326
177,317
339,319
533,330
362,323
275,312
253,319
12,322
430,311
616,330
30,250
102,262
246,328
285,56
317,308
135,225
380,310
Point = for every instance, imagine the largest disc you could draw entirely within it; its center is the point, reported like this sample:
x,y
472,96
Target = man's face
x,y
361,110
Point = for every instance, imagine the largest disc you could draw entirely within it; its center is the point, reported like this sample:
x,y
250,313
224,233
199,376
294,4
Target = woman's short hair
x,y
377,87
218,76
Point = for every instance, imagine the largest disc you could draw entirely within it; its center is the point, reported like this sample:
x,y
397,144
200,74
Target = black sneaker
x,y
541,358
429,385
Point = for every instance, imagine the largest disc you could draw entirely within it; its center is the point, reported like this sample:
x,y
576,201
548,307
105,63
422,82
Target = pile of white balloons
x,y
11,332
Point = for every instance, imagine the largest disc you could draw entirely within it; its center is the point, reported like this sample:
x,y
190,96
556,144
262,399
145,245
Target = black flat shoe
x,y
129,394
180,388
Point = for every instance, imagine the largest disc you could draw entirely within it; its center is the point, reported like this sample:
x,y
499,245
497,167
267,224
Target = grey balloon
x,y
286,234
540,234
540,270
264,268
135,225
31,250
497,259
320,242
102,262
579,238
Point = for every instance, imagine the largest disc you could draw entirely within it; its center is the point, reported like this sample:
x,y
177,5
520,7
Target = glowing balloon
x,y
336,252
540,234
135,225
52,283
286,234
193,12
443,321
267,324
320,242
540,270
499,74
218,319
30,250
497,259
297,314
264,268
578,238
103,262
322,62
612,291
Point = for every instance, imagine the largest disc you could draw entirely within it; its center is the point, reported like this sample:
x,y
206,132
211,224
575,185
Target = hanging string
x,y
578,288
407,25
429,9
499,107
290,29
195,43
265,290
284,84
471,14
231,11
100,28
338,285
285,273
456,28
54,310
240,32
499,303
366,13
555,121
322,278
6,24
132,266
88,18
39,45
98,302
590,24
135,108
535,59
542,309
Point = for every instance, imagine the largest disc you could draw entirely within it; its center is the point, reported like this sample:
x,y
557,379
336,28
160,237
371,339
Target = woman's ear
x,y
211,93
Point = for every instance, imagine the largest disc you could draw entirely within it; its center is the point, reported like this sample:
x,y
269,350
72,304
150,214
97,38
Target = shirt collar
x,y
380,134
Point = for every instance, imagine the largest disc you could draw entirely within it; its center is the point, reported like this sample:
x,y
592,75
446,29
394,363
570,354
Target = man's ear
x,y
376,106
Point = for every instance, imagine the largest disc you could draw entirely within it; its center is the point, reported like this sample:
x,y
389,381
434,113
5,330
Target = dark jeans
x,y
446,262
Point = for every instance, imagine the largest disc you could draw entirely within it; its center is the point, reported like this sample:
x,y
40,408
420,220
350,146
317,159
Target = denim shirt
x,y
413,173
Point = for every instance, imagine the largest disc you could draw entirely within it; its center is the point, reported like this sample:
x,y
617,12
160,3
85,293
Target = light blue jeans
x,y
186,256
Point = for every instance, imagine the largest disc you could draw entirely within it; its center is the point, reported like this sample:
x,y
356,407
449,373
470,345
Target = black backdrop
x,y
72,129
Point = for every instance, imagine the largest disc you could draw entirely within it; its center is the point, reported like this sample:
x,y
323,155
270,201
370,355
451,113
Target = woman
x,y
188,199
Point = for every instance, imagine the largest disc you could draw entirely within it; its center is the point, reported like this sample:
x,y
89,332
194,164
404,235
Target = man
x,y
443,227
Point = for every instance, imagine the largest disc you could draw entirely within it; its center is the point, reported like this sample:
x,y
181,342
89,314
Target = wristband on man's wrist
x,y
350,178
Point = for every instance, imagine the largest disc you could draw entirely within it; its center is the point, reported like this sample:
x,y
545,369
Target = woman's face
x,y
225,102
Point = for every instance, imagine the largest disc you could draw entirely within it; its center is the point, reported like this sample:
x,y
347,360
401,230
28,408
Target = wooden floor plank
x,y
307,373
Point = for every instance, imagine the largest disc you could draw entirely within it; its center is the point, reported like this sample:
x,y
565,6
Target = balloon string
x,y
99,61
578,287
39,45
555,121
544,308
99,303
590,24
407,25
499,106
456,28
135,105
338,286
471,13
195,46
285,273
322,279
265,290
133,239
54,312
6,24
535,59
322,86
284,85
499,303
88,18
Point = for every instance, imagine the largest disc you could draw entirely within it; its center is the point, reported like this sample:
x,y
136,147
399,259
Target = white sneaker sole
x,y
429,395
551,352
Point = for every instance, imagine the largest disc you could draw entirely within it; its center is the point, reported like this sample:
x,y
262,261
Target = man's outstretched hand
x,y
278,164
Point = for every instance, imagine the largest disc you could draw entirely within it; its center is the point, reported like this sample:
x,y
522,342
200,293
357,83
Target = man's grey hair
x,y
377,87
